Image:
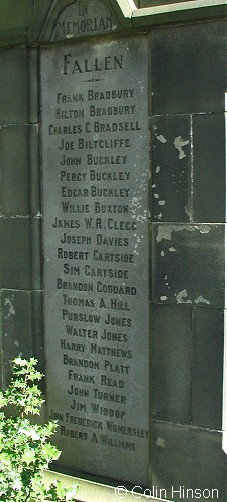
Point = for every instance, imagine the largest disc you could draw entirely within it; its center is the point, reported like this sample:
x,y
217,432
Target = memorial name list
x,y
95,245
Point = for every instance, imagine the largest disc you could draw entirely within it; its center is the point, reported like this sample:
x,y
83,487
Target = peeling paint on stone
x,y
161,139
203,229
163,298
135,206
161,442
181,297
188,209
11,311
200,299
179,142
165,232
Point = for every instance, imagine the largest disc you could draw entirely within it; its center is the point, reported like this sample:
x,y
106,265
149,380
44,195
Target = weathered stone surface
x,y
13,86
187,459
95,194
188,264
171,190
15,263
207,371
171,363
188,64
84,19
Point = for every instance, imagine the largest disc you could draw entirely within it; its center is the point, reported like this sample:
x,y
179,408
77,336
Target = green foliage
x,y
25,450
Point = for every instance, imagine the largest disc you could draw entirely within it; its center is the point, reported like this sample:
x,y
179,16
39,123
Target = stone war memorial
x,y
112,221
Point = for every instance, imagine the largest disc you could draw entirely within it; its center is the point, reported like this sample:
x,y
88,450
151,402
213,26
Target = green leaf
x,y
3,400
24,450
50,451
60,490
71,493
28,457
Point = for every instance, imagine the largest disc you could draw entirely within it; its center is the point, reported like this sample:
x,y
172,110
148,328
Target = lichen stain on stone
x,y
179,142
135,206
157,170
181,297
161,442
11,311
138,241
188,209
172,250
36,126
16,343
200,299
165,232
161,202
161,138
163,298
203,229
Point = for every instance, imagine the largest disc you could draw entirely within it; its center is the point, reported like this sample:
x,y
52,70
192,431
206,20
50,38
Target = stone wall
x,y
187,201
188,85
20,244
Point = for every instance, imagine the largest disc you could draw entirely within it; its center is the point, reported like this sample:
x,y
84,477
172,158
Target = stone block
x,y
207,372
188,68
15,259
15,328
171,363
209,167
188,264
14,190
13,85
185,458
171,168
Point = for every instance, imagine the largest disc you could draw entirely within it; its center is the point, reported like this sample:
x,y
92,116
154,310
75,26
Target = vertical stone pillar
x,y
19,207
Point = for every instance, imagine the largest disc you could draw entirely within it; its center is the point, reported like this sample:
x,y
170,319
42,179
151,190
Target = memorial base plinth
x,y
96,492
